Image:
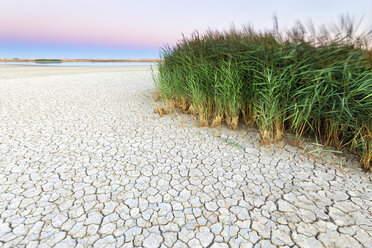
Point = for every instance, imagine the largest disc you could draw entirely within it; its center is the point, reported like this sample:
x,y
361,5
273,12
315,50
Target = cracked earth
x,y
84,162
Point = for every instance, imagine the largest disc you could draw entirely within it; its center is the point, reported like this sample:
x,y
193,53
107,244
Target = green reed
x,y
306,84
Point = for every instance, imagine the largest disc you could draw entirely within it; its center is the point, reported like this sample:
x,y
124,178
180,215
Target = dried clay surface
x,y
85,162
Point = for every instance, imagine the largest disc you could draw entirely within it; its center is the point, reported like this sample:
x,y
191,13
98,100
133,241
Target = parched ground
x,y
85,162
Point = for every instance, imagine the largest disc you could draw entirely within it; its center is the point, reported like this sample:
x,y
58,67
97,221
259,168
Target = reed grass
x,y
299,81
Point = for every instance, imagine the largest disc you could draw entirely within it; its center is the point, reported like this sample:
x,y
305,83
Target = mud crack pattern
x,y
84,162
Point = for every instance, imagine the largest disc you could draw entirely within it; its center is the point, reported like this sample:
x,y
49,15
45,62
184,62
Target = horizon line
x,y
79,60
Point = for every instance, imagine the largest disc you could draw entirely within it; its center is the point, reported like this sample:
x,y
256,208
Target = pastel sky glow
x,y
137,29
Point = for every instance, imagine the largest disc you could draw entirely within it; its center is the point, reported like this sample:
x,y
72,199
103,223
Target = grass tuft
x,y
299,81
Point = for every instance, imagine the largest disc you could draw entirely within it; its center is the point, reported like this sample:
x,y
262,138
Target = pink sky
x,y
150,24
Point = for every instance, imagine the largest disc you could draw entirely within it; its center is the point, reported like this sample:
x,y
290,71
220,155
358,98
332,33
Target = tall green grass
x,y
298,81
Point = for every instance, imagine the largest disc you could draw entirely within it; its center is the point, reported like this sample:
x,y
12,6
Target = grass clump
x,y
297,81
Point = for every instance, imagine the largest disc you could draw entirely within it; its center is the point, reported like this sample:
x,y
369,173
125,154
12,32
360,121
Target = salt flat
x,y
85,162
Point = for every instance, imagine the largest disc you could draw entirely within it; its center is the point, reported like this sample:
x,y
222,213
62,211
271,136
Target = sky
x,y
138,29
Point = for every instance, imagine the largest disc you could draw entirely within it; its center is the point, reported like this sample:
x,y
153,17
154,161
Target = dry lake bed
x,y
85,162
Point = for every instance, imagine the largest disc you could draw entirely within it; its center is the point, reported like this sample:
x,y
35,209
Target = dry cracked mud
x,y
84,162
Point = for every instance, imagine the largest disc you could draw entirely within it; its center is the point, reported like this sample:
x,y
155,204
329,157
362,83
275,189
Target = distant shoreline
x,y
80,60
